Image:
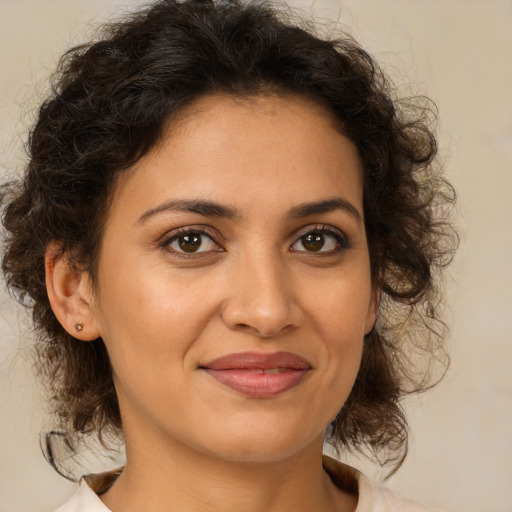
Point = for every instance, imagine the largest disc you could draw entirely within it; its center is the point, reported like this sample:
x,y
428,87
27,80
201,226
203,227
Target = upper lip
x,y
256,360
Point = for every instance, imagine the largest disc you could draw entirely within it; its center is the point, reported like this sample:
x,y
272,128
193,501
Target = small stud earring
x,y
79,327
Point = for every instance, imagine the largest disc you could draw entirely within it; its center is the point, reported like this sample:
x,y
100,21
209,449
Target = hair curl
x,y
110,100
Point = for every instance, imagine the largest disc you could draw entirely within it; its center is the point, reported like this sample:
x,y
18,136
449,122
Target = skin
x,y
254,285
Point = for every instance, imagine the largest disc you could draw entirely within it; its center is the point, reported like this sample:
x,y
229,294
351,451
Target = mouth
x,y
258,375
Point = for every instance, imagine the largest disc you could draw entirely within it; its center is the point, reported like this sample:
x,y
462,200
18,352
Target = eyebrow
x,y
326,206
207,208
212,209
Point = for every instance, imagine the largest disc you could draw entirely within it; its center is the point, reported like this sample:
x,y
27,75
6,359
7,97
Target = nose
x,y
261,301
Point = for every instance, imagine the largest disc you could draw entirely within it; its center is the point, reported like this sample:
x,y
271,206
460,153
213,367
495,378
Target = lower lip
x,y
255,384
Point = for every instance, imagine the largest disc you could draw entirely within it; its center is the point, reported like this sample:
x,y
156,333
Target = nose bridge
x,y
261,295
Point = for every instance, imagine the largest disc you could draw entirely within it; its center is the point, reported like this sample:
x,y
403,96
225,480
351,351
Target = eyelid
x,y
321,228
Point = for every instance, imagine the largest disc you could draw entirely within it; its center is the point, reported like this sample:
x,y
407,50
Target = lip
x,y
258,375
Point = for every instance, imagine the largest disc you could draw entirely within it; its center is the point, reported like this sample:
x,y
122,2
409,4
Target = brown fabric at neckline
x,y
343,476
102,482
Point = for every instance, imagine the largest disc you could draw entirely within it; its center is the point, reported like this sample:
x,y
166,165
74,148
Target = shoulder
x,y
86,497
372,498
84,500
375,498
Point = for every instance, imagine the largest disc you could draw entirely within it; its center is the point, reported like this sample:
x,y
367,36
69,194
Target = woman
x,y
229,236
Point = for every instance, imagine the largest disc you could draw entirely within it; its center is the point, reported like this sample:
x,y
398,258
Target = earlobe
x,y
70,294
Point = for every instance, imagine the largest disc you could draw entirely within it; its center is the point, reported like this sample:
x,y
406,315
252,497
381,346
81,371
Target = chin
x,y
265,448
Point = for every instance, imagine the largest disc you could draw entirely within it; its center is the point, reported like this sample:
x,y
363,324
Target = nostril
x,y
263,331
247,329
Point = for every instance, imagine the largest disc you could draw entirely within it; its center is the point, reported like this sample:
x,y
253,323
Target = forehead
x,y
250,106
264,148
266,118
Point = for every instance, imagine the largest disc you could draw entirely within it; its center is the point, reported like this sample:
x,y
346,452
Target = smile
x,y
258,375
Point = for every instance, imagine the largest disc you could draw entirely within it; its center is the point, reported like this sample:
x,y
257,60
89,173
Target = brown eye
x,y
191,242
313,242
320,241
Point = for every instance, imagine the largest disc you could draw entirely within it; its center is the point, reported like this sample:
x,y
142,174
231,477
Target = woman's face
x,y
234,283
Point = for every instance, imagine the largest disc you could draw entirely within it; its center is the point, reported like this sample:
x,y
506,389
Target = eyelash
x,y
341,240
177,233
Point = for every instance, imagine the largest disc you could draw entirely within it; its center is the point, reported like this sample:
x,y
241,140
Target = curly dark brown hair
x,y
109,103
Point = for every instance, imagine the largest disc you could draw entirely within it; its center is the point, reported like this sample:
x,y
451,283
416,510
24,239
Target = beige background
x,y
460,53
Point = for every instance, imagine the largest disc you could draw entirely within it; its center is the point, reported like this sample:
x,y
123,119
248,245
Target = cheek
x,y
152,319
339,303
338,313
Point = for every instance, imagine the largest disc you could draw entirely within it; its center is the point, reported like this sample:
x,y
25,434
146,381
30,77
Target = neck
x,y
179,478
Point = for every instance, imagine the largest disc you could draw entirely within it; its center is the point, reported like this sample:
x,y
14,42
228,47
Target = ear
x,y
373,309
70,294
